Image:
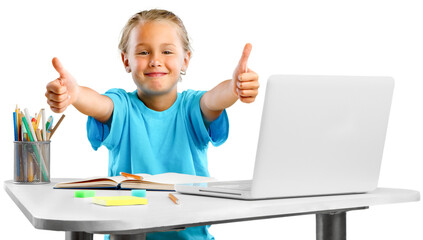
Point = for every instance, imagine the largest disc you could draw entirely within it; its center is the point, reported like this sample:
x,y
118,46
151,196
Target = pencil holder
x,y
32,162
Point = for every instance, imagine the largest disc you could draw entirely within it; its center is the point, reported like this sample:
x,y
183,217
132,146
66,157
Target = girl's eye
x,y
167,52
143,53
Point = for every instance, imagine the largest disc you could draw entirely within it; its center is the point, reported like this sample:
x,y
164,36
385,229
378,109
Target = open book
x,y
164,181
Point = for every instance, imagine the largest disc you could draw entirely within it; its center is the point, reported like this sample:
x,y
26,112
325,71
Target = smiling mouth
x,y
155,74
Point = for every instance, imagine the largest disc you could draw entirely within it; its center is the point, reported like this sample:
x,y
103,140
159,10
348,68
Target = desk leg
x,y
331,226
140,236
78,236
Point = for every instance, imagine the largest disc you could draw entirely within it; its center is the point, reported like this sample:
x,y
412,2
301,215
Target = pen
x,y
128,175
34,123
17,110
173,198
15,126
23,129
30,128
49,123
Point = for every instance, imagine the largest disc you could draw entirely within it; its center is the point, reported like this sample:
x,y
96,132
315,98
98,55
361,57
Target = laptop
x,y
319,135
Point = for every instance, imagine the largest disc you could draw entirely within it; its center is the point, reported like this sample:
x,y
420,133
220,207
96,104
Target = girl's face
x,y
155,57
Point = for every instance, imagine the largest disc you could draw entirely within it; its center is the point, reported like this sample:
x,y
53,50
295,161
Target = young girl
x,y
155,129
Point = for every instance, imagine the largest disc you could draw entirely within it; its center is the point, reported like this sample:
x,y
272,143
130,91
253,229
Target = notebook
x,y
319,135
164,181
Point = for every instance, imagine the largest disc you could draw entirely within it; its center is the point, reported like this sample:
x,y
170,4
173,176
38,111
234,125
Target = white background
x,y
361,37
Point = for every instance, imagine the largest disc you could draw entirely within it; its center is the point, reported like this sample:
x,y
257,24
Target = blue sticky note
x,y
138,193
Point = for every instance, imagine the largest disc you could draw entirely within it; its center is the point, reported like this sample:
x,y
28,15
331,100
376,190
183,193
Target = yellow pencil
x,y
30,168
38,120
43,123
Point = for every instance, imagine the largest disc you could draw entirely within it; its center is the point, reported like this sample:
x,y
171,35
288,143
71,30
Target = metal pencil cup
x,y
32,162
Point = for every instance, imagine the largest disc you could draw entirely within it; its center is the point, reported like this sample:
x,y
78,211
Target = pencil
x,y
43,123
30,168
38,119
56,126
128,175
38,133
173,198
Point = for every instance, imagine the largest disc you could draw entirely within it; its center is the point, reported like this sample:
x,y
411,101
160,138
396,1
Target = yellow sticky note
x,y
119,200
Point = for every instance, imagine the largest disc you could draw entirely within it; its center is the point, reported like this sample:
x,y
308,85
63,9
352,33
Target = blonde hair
x,y
149,16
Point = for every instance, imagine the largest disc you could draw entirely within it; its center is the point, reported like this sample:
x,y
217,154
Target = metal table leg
x,y
78,236
140,236
331,226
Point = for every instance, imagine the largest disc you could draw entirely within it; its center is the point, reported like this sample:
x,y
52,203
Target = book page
x,y
164,178
93,182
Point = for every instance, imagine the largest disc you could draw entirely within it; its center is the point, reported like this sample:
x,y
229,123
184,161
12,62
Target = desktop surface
x,y
58,209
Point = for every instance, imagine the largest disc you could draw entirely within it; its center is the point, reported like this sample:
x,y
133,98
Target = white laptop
x,y
319,135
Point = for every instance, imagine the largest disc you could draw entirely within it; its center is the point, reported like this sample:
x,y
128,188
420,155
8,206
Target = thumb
x,y
59,67
244,58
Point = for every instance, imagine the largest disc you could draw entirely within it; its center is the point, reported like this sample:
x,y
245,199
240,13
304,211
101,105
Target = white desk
x,y
57,209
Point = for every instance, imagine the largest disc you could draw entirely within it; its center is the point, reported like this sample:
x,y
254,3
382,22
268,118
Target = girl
x,y
155,129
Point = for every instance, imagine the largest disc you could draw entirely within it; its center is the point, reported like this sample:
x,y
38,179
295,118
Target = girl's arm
x,y
243,85
65,91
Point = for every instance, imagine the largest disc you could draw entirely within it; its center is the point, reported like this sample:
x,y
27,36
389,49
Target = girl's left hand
x,y
244,80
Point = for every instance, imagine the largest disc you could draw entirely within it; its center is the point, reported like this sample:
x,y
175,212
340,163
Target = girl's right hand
x,y
63,91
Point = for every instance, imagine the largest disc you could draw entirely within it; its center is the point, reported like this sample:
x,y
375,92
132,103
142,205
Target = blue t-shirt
x,y
141,140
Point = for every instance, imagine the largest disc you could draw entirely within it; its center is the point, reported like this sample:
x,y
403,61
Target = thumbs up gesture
x,y
62,91
244,80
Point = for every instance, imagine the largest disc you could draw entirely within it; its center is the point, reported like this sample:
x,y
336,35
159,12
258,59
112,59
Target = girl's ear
x,y
187,57
125,62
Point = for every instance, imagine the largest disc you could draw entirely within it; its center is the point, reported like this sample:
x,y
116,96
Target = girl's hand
x,y
244,80
63,91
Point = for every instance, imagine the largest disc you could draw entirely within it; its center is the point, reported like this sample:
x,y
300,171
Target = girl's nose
x,y
155,62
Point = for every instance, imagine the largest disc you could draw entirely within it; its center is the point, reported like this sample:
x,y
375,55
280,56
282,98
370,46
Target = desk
x,y
57,209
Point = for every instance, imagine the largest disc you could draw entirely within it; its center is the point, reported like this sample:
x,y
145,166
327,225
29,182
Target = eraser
x,y
84,193
138,193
